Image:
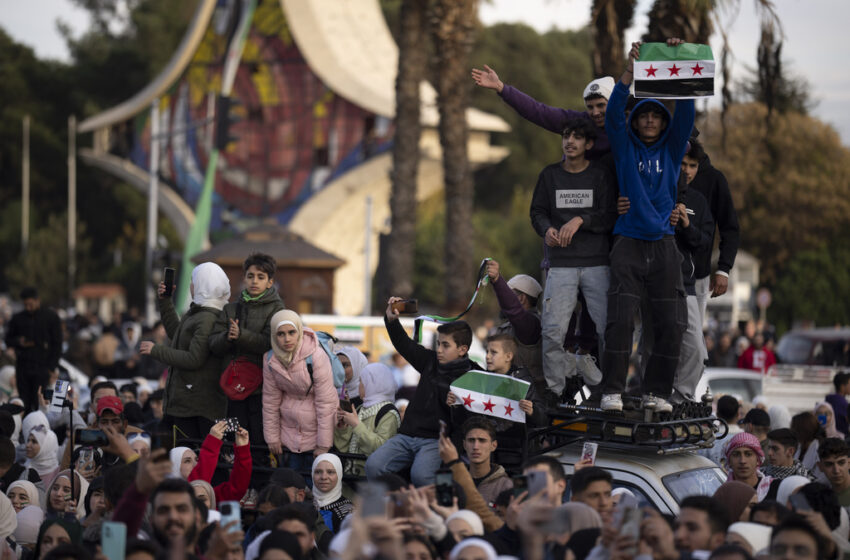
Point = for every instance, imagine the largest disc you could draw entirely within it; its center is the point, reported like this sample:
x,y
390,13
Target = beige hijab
x,y
282,317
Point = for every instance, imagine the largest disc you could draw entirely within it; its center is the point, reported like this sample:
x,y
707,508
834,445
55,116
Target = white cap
x,y
525,284
600,86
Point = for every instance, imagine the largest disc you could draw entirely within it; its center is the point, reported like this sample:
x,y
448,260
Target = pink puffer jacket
x,y
300,421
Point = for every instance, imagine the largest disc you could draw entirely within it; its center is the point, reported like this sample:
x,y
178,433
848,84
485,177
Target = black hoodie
x,y
711,184
428,404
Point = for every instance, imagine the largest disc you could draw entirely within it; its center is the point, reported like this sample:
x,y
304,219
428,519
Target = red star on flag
x,y
651,71
674,70
508,410
488,406
697,69
468,400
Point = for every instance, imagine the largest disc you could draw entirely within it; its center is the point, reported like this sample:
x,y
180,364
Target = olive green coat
x,y
192,386
254,329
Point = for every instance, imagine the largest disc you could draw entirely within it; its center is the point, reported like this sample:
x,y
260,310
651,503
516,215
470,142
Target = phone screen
x,y
168,279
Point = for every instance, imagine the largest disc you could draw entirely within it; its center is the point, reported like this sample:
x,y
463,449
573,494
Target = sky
x,y
33,22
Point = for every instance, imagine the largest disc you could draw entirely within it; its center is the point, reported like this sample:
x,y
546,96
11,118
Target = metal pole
x,y
153,196
25,188
367,250
72,204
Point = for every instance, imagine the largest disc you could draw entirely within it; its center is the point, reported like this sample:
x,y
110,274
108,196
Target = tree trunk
x,y
684,19
452,26
609,20
411,71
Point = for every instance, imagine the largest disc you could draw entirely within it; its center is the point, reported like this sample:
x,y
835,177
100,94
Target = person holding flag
x,y
416,443
648,149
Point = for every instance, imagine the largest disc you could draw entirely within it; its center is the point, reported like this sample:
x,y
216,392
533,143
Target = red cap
x,y
109,403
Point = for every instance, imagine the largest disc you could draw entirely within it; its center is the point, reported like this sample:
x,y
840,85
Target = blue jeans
x,y
559,301
422,455
302,463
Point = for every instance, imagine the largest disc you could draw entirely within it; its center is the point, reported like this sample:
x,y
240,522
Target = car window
x,y
831,353
743,389
702,482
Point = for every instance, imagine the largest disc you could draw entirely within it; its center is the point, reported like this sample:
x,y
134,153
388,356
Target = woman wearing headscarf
x,y
824,409
30,519
183,461
789,486
62,499
752,537
7,384
299,398
737,498
809,435
193,398
327,490
205,493
779,417
23,493
469,549
353,361
464,523
376,421
41,449
54,532
8,518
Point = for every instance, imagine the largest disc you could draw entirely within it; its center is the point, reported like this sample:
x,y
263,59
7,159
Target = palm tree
x,y
452,25
411,70
608,21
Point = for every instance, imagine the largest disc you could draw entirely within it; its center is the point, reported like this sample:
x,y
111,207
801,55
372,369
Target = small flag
x,y
683,72
493,394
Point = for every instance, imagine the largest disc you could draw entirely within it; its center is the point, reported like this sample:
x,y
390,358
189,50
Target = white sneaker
x,y
586,365
656,403
612,403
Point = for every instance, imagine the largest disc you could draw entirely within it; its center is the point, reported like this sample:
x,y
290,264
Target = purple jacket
x,y
552,118
526,324
839,408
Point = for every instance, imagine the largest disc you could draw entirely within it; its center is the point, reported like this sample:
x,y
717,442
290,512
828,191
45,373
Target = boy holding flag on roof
x,y
648,150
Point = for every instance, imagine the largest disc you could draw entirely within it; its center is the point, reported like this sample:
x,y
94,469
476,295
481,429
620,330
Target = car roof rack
x,y
690,427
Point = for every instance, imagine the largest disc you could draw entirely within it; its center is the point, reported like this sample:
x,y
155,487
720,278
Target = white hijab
x,y
378,384
325,498
756,534
488,549
81,488
787,487
471,518
210,286
45,462
29,521
358,362
29,488
8,517
176,456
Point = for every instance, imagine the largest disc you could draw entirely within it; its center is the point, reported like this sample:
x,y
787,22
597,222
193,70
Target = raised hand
x,y
487,78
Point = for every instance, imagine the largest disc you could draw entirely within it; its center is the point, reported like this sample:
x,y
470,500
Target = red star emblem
x,y
488,406
468,400
697,69
674,70
651,71
508,410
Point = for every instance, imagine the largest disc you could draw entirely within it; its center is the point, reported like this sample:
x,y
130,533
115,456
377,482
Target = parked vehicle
x,y
815,347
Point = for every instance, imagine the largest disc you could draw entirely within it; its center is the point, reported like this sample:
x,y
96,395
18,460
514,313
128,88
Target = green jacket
x,y
254,330
369,436
192,386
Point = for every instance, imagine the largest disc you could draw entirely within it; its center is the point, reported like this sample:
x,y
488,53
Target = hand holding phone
x,y
230,511
113,540
588,452
406,306
168,275
445,489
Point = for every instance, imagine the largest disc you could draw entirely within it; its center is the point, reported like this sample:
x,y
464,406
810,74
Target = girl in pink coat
x,y
299,410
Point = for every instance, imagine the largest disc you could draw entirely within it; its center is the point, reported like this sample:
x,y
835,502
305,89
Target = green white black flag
x,y
492,394
683,72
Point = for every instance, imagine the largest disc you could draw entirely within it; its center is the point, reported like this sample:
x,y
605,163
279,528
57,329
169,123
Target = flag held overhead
x,y
682,72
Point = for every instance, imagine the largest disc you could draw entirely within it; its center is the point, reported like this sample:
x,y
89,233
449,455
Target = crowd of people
x,y
308,443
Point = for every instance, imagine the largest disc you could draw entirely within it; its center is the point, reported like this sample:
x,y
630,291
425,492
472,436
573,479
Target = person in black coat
x,y
35,334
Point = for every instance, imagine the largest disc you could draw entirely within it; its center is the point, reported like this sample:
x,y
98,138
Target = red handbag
x,y
240,379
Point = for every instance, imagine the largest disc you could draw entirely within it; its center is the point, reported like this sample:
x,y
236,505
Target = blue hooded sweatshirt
x,y
647,175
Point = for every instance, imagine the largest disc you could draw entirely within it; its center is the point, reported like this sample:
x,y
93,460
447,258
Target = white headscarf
x,y
45,462
324,498
29,521
253,550
787,487
756,534
8,517
282,317
176,456
358,362
7,374
488,549
210,286
81,488
29,488
471,518
779,417
378,384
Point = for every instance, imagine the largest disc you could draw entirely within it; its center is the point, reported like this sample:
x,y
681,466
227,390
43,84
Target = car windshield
x,y
702,482
743,389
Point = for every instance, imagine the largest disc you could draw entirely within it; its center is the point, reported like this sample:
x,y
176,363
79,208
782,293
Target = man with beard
x,y
700,526
174,515
151,479
36,336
